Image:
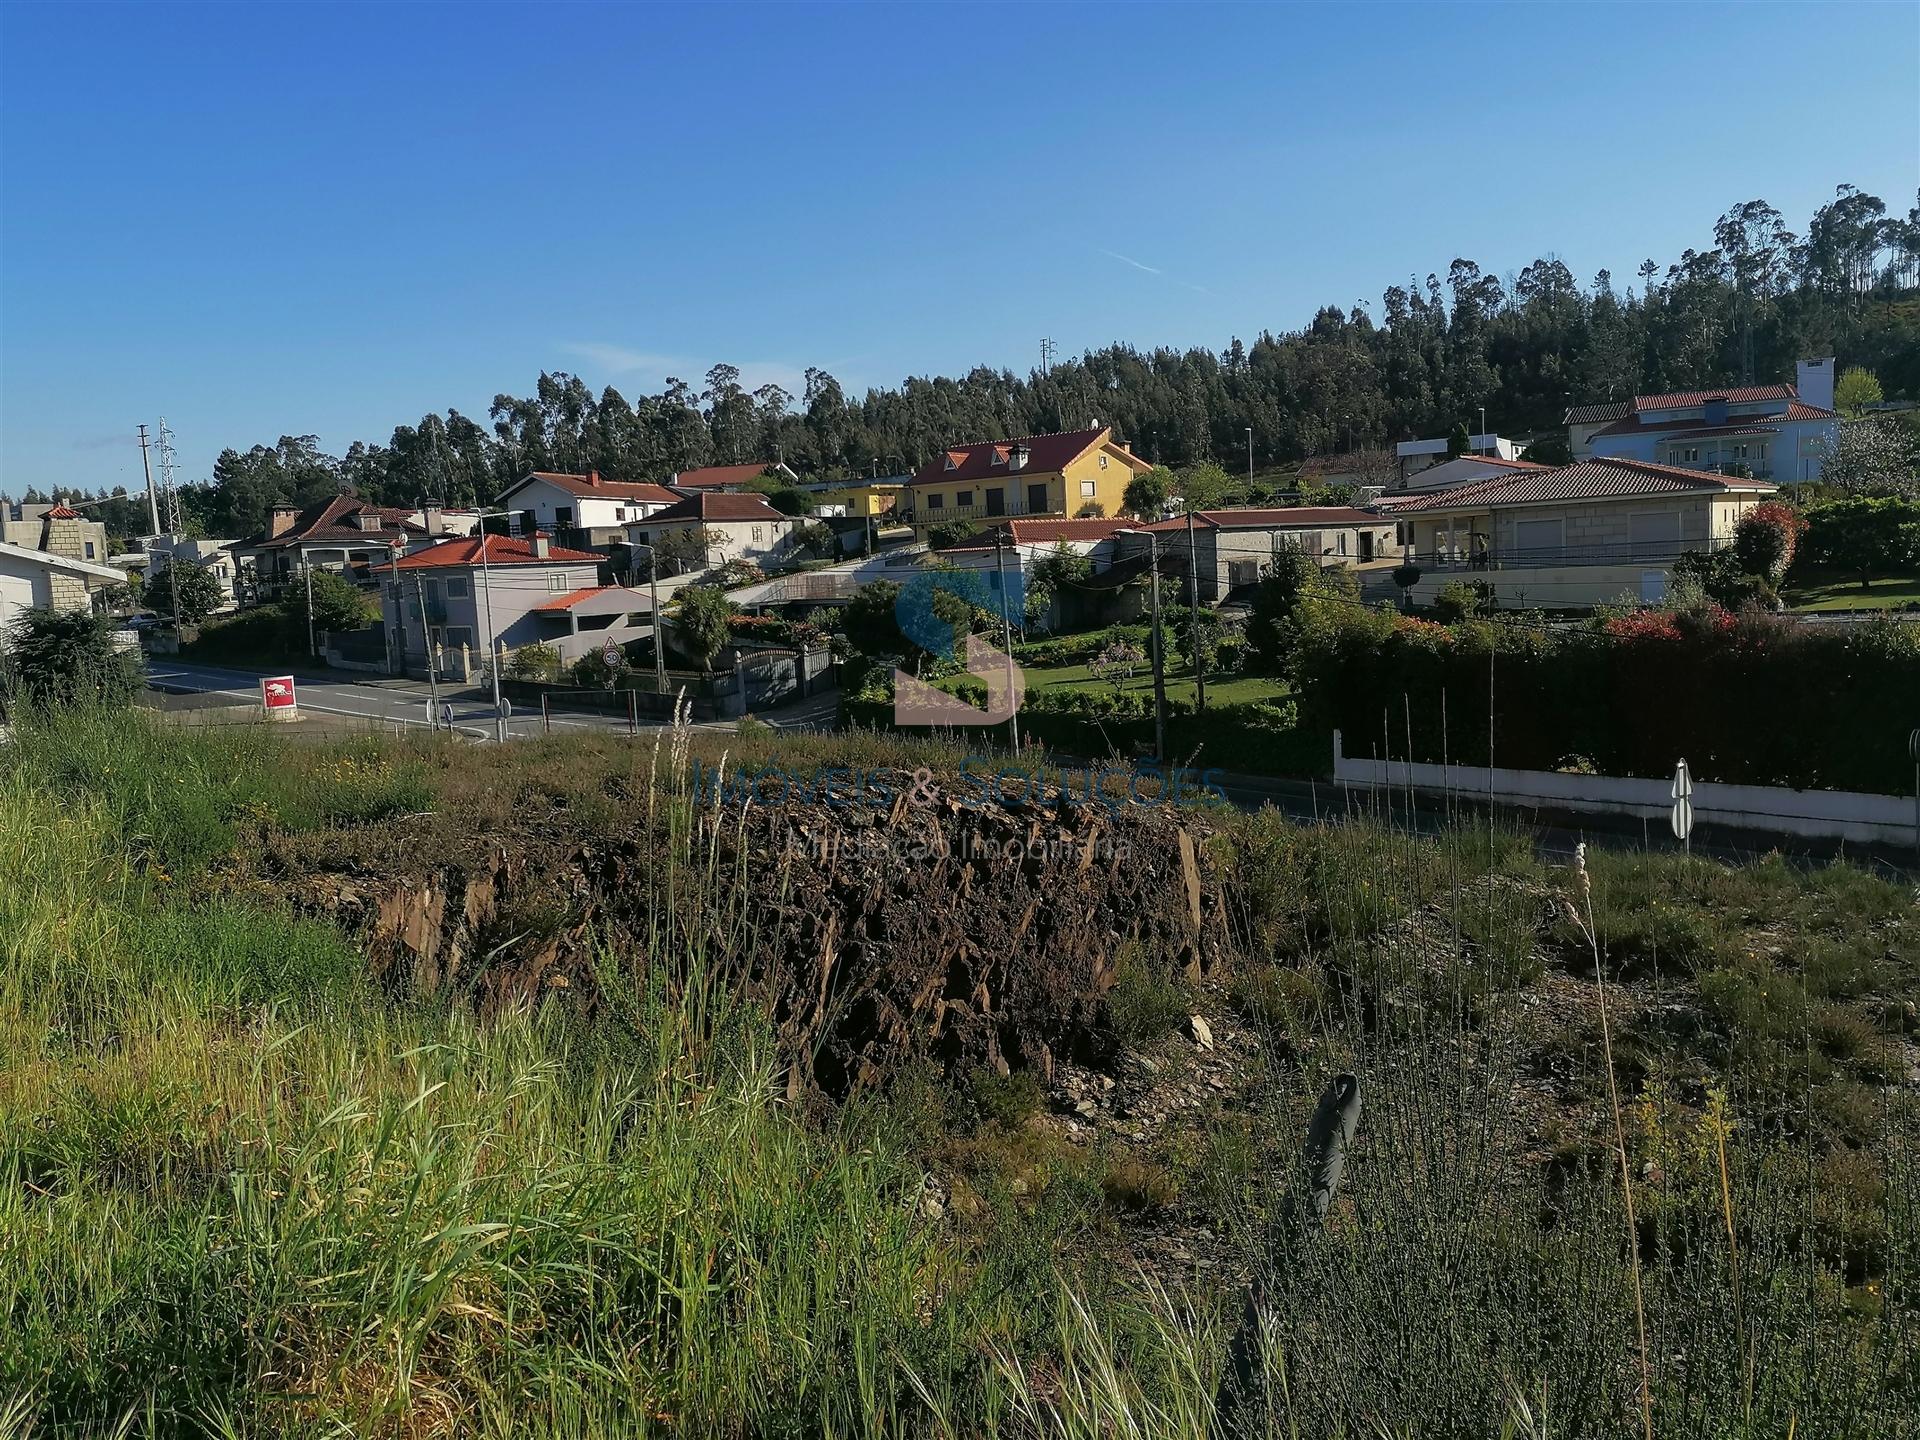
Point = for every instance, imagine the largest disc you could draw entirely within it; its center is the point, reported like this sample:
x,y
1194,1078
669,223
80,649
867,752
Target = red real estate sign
x,y
276,692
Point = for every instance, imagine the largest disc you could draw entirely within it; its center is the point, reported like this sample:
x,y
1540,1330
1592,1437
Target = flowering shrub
x,y
1765,538
1116,662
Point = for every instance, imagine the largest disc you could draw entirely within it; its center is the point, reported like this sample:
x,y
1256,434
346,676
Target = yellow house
x,y
1077,474
868,497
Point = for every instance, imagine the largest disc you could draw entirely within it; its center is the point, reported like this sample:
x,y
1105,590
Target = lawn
x,y
1227,688
1830,591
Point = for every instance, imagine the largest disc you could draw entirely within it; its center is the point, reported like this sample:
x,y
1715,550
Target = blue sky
x,y
281,219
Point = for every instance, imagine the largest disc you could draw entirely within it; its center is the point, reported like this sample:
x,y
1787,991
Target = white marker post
x,y
1682,818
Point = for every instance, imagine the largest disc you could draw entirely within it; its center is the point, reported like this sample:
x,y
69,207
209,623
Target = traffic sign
x,y
1913,746
506,708
1682,817
276,692
610,653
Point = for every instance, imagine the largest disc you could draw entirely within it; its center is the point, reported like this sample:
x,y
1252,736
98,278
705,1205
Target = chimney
x,y
1017,457
281,521
1814,381
60,532
593,477
431,518
542,547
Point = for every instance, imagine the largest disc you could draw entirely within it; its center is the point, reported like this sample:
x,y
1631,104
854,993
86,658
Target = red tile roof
x,y
1042,532
593,484
332,522
713,477
1601,478
1634,425
60,512
500,550
574,597
1045,455
715,505
1737,395
1279,517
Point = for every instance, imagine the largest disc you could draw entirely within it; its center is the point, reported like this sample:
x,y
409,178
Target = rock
x,y
1085,1107
1200,1032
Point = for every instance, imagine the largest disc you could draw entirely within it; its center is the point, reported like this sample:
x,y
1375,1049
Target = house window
x,y
458,635
89,549
457,587
756,534
936,502
963,499
557,582
619,512
1343,542
999,458
562,515
952,464
1103,462
1087,488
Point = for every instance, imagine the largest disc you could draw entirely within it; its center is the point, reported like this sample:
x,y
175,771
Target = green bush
x,y
60,657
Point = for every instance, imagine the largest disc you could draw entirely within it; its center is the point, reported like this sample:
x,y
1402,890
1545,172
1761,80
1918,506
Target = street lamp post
x,y
486,600
1249,455
1159,649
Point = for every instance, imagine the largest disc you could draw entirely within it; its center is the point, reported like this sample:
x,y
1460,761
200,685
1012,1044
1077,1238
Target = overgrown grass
x,y
243,1190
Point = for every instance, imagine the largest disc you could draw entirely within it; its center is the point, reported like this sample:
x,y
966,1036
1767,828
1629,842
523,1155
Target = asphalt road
x,y
409,702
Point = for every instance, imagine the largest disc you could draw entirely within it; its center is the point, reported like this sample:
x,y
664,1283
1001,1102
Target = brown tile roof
x,y
1593,414
332,522
1634,425
715,505
710,477
1279,517
574,597
1045,455
500,550
1595,479
60,512
594,485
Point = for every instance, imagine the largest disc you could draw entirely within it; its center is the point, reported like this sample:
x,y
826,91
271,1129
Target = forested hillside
x,y
1429,355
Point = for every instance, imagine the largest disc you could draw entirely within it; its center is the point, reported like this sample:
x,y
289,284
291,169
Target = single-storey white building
x,y
1232,547
737,527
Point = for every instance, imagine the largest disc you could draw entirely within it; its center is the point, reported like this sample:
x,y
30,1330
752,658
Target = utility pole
x,y
170,495
1159,649
653,603
1193,619
313,645
1249,454
426,642
1006,625
146,464
493,659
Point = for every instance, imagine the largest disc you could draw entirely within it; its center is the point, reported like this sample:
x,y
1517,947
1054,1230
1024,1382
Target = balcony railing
x,y
1646,552
908,513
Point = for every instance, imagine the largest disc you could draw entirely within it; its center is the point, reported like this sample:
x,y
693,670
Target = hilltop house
x,y
447,599
1770,432
1571,537
340,534
729,478
1079,474
737,527
587,510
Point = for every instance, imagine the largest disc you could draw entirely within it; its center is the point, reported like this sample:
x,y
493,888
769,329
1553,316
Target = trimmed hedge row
x,y
1757,700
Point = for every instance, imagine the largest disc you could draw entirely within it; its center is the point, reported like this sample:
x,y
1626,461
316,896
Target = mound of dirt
x,y
936,927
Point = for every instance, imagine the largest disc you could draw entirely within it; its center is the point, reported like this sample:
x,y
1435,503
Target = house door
x,y
996,502
1037,498
1366,546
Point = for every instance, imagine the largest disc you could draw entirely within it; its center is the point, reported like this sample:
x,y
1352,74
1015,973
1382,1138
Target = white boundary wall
x,y
1825,814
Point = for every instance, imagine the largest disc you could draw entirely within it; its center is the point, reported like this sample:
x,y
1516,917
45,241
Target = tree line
x,y
1423,362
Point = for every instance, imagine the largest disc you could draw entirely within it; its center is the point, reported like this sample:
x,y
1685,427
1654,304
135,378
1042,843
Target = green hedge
x,y
1758,700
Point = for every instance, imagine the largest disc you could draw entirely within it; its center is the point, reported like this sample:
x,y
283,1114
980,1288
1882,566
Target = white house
x,y
1416,455
1232,546
737,526
214,556
448,599
586,510
1770,432
48,580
